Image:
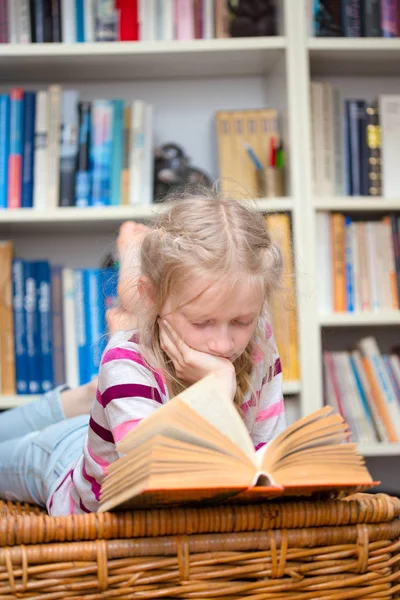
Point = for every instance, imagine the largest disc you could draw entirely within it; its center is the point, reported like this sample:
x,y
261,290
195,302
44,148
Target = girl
x,y
206,273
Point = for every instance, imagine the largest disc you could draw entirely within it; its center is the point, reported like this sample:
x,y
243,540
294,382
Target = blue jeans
x,y
37,445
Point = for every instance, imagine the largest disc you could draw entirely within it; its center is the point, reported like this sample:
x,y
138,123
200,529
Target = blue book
x,y
101,151
28,149
83,177
95,318
21,356
4,147
364,400
32,328
45,324
117,155
80,20
80,325
349,266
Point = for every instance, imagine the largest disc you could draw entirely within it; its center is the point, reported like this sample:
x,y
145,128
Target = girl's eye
x,y
201,325
243,323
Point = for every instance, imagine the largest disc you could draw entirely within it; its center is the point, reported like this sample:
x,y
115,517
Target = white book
x,y
40,159
369,348
68,21
365,426
148,158
168,21
324,262
372,266
53,146
338,145
147,20
136,160
208,19
24,18
90,20
70,344
13,13
328,137
348,408
317,137
389,114
354,244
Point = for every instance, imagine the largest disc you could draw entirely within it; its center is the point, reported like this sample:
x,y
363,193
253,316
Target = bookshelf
x,y
194,79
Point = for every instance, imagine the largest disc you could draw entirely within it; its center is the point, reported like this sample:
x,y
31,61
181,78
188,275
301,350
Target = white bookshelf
x,y
145,60
188,82
362,319
71,217
356,204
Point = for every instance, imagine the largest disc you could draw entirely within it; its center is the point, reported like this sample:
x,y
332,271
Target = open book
x,y
196,447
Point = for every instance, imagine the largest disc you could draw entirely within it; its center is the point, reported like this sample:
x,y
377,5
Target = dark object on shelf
x,y
250,18
172,170
327,19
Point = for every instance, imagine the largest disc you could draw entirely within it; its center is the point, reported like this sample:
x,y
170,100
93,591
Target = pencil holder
x,y
271,182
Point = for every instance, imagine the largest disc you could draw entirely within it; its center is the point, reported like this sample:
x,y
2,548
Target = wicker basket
x,y
333,550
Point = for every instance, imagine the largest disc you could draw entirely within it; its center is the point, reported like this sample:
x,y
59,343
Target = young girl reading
x,y
207,270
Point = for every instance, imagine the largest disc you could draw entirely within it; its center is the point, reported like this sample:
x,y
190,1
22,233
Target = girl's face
x,y
215,317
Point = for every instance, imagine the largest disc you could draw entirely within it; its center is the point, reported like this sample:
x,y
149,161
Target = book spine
x,y
80,20
117,140
13,21
3,21
356,139
351,18
32,328
396,250
90,20
389,18
137,149
69,146
198,19
106,21
95,319
126,157
53,146
372,265
391,262
24,22
338,143
83,177
349,266
128,19
28,149
69,326
102,113
221,19
15,156
4,147
208,19
57,326
338,262
184,19
7,355
56,21
374,151
40,159
68,21
148,158
80,327
389,114
324,262
372,18
20,340
45,325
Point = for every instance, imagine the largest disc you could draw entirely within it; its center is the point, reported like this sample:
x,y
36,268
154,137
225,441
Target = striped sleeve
x,y
128,390
270,418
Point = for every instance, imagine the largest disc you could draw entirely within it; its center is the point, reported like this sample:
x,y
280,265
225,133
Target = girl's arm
x,y
270,418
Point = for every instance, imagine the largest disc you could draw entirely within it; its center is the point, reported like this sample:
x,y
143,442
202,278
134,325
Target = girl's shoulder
x,y
123,339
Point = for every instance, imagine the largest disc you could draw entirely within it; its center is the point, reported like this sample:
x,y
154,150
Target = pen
x,y
253,157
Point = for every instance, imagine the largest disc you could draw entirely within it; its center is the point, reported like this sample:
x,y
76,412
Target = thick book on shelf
x,y
196,447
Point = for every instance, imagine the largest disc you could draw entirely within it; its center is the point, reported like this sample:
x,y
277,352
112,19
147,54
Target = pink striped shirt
x,y
128,391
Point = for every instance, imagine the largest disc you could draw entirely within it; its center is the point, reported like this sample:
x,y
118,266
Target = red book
x,y
128,20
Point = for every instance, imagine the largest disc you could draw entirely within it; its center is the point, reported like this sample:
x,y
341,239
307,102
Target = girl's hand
x,y
191,365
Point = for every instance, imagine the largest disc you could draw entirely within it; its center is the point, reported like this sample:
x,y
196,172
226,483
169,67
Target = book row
x,y
358,263
364,386
354,18
355,144
56,150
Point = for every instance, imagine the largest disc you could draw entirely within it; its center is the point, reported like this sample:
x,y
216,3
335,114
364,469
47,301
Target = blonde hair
x,y
202,232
